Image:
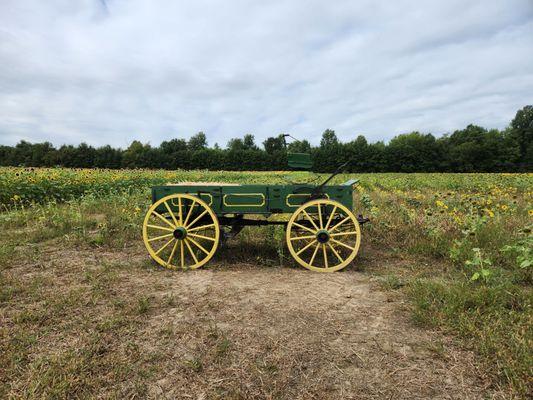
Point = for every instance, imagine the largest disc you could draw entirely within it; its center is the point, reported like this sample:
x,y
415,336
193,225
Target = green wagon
x,y
188,221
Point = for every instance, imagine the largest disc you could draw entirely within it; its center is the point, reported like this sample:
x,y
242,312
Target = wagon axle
x,y
180,233
322,236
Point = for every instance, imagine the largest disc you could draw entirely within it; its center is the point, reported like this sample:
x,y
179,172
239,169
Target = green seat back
x,y
300,160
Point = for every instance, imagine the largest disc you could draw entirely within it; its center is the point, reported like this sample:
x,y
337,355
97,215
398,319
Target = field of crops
x,y
23,186
466,239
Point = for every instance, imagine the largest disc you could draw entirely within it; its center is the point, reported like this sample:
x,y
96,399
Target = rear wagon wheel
x,y
181,231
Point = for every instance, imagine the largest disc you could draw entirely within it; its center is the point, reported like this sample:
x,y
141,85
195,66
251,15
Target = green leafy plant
x,y
480,265
523,251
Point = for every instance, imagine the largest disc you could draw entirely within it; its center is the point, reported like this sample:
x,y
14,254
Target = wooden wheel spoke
x,y
314,254
160,227
336,253
160,237
198,228
180,213
190,251
171,213
303,237
304,248
325,256
197,218
339,224
343,244
172,253
303,227
182,251
166,221
201,236
164,246
320,216
310,219
343,234
189,212
198,245
330,217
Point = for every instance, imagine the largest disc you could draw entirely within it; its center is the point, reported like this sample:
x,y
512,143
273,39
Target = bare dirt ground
x,y
309,335
125,328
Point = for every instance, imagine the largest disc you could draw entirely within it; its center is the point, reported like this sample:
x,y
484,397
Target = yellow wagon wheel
x,y
181,231
323,235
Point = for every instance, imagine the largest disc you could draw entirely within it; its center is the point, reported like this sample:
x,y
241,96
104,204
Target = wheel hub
x,y
322,236
180,233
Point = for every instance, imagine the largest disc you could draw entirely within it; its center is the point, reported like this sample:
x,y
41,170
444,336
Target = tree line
x,y
472,149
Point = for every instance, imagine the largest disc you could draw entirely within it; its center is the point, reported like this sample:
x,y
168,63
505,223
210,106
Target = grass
x,y
495,320
444,230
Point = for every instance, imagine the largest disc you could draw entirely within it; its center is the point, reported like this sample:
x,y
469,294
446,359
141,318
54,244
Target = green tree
x,y
413,152
329,155
108,157
522,133
235,144
84,156
7,156
475,149
300,146
197,142
273,145
136,155
23,153
329,139
249,142
173,146
358,153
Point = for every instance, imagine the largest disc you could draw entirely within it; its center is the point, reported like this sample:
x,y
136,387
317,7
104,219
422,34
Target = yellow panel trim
x,y
263,199
298,195
201,195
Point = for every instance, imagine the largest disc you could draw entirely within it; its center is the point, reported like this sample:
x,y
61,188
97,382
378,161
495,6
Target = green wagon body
x,y
255,199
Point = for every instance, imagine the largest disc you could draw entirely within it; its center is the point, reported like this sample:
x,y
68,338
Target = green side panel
x,y
287,198
255,199
250,199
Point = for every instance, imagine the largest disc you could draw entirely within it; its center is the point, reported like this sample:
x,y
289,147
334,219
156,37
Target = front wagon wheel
x,y
323,235
181,231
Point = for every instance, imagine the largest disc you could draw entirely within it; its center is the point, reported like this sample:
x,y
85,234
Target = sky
x,y
112,71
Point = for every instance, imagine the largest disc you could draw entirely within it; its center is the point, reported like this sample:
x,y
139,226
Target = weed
x,y
143,305
391,282
195,364
480,266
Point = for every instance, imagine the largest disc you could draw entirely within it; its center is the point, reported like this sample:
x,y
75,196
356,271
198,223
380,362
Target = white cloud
x,y
110,72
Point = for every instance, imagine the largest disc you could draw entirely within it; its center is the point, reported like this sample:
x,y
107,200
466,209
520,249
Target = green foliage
x,y
413,152
473,149
522,250
197,142
480,266
274,145
522,132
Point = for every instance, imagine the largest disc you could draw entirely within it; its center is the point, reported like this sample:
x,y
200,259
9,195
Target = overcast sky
x,y
108,72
